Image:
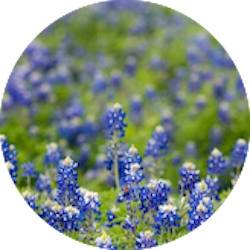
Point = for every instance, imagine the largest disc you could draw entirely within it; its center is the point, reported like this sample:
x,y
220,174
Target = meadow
x,y
125,125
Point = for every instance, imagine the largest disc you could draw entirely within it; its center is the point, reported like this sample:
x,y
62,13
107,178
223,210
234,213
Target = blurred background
x,y
163,68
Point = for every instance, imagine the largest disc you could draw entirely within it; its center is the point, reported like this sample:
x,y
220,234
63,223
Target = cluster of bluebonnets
x,y
130,125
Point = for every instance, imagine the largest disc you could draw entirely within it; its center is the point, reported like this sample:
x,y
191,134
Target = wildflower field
x,y
124,125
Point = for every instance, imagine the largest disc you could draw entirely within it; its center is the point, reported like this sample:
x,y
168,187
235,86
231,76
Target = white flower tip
x,y
201,208
52,146
189,165
67,161
133,150
9,165
241,142
216,153
2,138
117,106
159,129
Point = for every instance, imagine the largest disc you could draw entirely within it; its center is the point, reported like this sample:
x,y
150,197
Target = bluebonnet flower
x,y
201,102
29,170
12,170
229,96
132,171
99,84
112,216
52,155
219,87
154,194
44,92
213,186
10,157
224,114
9,151
70,129
54,215
216,163
239,153
167,122
200,213
191,149
157,63
151,93
130,224
180,99
145,240
84,156
131,66
136,109
30,199
90,206
43,184
189,177
7,102
157,146
239,85
35,78
115,162
116,79
105,242
70,219
127,195
46,207
115,121
100,161
200,190
74,109
167,218
194,55
90,128
67,186
216,136
195,83
177,159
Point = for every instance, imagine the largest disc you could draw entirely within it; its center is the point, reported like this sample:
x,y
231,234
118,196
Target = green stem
x,y
116,170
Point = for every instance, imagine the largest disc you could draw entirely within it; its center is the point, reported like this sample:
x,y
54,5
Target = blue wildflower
x,y
191,149
29,170
216,163
153,195
216,135
12,171
189,177
145,240
67,186
43,184
167,218
105,242
30,199
224,114
130,224
116,79
52,156
115,121
239,153
8,151
239,85
70,218
136,109
157,146
201,102
130,67
200,214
